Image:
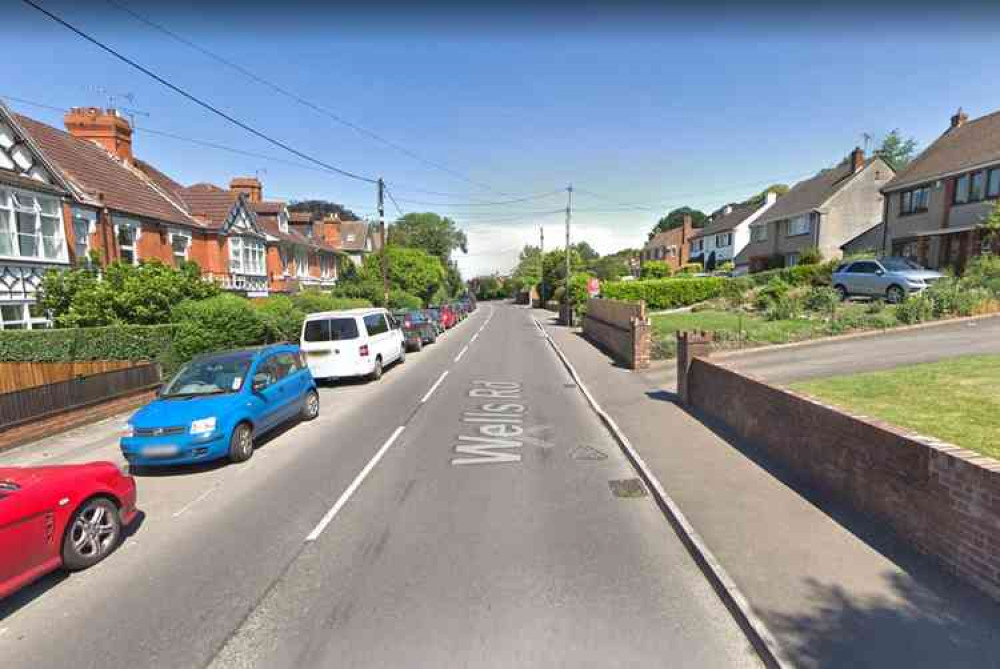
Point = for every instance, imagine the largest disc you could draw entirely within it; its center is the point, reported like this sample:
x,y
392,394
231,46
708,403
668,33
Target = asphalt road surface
x,y
467,510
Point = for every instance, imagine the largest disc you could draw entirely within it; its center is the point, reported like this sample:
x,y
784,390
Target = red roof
x,y
93,171
210,205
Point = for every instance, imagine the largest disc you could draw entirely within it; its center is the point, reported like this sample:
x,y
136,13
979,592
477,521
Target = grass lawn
x,y
727,322
955,400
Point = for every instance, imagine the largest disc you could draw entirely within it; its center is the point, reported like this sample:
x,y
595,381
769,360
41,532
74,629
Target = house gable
x,y
21,156
242,220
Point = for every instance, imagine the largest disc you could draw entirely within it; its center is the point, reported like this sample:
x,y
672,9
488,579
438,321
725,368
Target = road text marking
x,y
498,422
346,495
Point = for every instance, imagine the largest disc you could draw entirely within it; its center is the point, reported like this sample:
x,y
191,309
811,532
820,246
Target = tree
x,y
554,269
321,208
896,151
586,251
437,235
675,219
760,197
528,271
990,225
411,270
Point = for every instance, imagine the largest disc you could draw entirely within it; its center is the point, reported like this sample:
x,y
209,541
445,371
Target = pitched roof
x,y
161,180
268,207
14,179
972,144
810,194
353,235
94,172
723,222
210,205
300,217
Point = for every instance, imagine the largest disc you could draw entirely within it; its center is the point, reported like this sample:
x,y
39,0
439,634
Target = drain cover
x,y
628,488
569,385
586,452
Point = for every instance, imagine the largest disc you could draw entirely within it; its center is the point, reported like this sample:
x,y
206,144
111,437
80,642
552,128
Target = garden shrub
x,y
821,299
769,294
218,323
810,256
666,293
691,268
113,342
654,269
400,299
915,310
783,307
983,271
800,275
282,319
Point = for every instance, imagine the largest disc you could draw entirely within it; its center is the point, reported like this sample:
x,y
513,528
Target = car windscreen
x,y
210,376
899,264
330,329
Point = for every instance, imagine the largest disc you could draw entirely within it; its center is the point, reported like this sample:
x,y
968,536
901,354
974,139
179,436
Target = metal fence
x,y
42,401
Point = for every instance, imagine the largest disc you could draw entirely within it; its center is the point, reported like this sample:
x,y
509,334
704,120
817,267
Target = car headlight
x,y
203,425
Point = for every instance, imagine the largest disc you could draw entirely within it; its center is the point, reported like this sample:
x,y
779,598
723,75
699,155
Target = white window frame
x,y
26,320
327,266
81,234
14,201
283,220
186,235
301,262
800,225
247,255
136,227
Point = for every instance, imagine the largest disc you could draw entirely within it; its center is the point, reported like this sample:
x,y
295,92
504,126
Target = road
x,y
459,512
786,364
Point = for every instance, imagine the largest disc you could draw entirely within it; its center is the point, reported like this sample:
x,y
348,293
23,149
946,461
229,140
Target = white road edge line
x,y
181,511
461,353
771,653
346,495
434,387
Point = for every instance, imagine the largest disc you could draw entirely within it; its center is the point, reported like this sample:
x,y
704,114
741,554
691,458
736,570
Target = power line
x,y
394,203
528,198
194,98
297,98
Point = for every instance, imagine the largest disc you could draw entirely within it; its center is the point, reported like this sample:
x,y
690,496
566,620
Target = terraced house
x,y
81,196
822,212
936,205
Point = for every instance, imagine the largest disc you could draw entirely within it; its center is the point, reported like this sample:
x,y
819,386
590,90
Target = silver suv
x,y
891,278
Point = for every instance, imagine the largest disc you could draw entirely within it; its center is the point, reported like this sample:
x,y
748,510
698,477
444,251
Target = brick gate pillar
x,y
690,345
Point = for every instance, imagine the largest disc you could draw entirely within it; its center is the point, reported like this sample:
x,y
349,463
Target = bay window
x,y
31,226
800,225
301,262
246,256
327,265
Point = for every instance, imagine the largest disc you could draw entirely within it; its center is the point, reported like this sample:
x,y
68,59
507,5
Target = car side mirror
x,y
259,382
879,272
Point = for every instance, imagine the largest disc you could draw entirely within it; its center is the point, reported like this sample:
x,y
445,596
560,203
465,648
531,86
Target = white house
x,y
727,232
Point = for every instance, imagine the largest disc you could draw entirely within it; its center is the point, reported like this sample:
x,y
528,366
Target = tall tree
x,y
586,251
675,219
438,235
897,151
320,208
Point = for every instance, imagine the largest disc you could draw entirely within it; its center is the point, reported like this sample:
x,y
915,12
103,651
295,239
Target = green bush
x,y
691,268
218,323
735,290
810,256
800,275
666,293
654,269
983,271
282,319
775,290
822,299
114,342
400,299
915,310
783,307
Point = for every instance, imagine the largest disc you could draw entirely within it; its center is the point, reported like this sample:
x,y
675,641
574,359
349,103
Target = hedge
x,y
665,293
800,275
112,342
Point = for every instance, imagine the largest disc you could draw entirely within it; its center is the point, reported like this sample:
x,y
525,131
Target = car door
x,y
268,393
289,383
26,535
395,338
864,278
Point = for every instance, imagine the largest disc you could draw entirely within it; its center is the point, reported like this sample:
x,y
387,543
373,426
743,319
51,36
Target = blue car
x,y
215,406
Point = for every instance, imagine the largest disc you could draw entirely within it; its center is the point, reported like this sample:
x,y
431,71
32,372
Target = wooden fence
x,y
15,376
39,402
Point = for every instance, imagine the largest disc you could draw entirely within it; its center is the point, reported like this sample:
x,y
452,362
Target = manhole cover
x,y
628,488
585,452
569,385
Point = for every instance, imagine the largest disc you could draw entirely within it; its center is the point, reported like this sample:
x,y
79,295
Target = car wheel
x,y
895,294
311,408
419,346
92,534
241,443
402,354
842,291
377,372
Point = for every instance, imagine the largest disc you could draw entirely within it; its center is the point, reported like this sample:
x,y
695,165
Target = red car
x,y
448,316
67,516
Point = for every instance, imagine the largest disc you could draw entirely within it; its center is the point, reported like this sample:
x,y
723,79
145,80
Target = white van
x,y
356,342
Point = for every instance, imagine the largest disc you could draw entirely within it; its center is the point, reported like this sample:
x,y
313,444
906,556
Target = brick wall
x,y
621,328
943,500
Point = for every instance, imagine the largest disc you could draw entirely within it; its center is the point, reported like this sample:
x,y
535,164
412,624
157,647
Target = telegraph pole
x,y
568,319
541,263
382,241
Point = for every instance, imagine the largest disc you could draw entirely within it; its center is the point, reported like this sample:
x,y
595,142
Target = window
x,y
723,240
800,225
180,243
22,316
914,201
863,267
31,226
375,324
791,260
977,186
334,329
962,189
993,183
301,262
246,256
84,223
127,233
758,233
327,266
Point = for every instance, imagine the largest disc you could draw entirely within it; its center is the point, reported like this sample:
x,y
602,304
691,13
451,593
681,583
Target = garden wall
x,y
943,500
621,328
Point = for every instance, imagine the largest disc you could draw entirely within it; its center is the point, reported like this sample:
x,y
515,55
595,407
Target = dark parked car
x,y
434,316
417,328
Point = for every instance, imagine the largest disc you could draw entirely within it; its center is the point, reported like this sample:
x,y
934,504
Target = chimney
x,y
101,126
331,230
959,119
857,159
687,228
728,209
249,186
770,198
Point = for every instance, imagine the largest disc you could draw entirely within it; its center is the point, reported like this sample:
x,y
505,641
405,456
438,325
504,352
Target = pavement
x,y
467,510
833,588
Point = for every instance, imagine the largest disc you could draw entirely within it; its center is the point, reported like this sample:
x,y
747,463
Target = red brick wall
x,y
943,500
621,328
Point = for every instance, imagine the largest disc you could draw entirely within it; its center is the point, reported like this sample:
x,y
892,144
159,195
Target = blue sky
x,y
649,108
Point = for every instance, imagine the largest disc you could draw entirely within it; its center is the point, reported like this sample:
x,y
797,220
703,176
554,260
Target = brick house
x,y
935,205
90,197
822,212
671,246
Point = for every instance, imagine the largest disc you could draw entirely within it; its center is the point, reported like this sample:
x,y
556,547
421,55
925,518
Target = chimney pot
x,y
105,127
249,186
959,119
